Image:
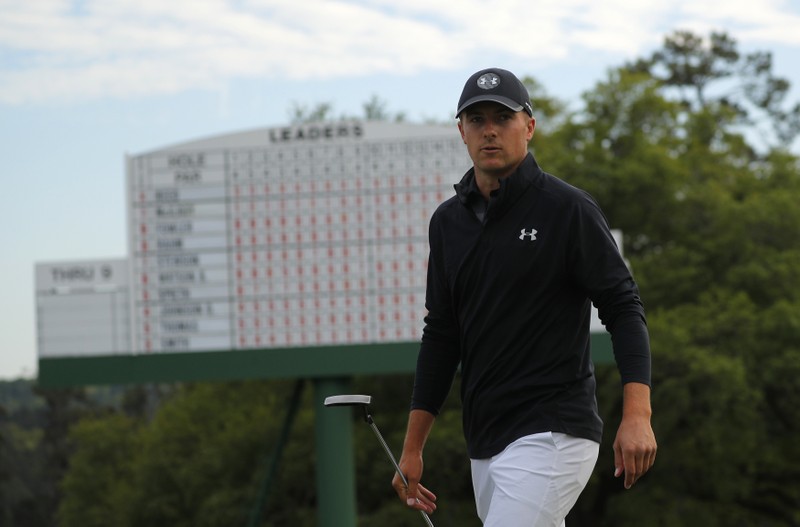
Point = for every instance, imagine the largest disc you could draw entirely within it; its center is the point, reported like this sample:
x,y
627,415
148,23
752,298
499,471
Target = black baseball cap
x,y
496,85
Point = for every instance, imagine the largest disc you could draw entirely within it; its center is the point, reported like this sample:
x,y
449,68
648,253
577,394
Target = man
x,y
516,259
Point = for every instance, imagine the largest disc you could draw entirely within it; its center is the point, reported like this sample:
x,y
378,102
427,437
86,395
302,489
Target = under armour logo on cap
x,y
488,81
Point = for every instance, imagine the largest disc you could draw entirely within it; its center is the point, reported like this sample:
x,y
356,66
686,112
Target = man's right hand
x,y
415,495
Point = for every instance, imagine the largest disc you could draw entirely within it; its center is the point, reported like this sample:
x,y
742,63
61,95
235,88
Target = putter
x,y
363,401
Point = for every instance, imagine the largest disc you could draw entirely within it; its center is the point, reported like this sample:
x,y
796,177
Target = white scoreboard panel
x,y
300,236
82,308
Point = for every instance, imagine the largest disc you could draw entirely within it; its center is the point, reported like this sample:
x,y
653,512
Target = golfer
x,y
517,257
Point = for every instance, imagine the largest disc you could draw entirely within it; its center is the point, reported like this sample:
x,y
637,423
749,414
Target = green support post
x,y
336,481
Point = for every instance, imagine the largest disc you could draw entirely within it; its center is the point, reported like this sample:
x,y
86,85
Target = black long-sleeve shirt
x,y
509,299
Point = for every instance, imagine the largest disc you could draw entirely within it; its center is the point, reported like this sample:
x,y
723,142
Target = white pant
x,y
534,482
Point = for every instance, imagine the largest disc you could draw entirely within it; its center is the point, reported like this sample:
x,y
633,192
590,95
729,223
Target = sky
x,y
85,82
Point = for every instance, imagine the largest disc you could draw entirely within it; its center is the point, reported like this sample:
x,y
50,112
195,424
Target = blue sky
x,y
82,83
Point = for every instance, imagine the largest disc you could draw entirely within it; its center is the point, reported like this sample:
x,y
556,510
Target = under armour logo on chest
x,y
524,233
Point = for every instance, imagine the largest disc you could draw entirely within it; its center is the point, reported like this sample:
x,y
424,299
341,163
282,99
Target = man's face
x,y
496,137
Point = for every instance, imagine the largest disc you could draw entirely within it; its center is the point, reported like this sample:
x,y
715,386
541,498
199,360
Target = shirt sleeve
x,y
439,352
599,268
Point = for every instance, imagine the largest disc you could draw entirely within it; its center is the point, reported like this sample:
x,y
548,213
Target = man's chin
x,y
493,165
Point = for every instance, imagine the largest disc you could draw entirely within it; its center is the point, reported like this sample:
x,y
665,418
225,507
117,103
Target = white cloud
x,y
62,50
771,22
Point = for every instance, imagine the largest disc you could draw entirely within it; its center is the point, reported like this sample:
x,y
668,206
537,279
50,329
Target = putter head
x,y
348,400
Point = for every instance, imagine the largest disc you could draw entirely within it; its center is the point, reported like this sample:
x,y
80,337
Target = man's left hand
x,y
635,445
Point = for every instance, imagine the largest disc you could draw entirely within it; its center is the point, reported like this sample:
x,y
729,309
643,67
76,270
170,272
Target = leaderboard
x,y
307,235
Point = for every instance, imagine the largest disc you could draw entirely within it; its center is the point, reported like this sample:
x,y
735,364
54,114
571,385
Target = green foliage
x,y
200,454
302,114
711,77
374,110
20,468
99,486
34,451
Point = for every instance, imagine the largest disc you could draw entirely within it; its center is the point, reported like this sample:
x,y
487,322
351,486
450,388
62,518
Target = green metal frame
x,y
278,363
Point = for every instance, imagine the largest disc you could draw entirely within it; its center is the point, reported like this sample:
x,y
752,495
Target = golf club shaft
x,y
396,466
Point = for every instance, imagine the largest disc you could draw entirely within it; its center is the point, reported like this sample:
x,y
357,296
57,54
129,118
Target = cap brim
x,y
505,101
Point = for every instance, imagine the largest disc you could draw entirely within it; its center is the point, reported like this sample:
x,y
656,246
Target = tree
x,y
20,474
747,89
34,451
99,486
302,114
374,110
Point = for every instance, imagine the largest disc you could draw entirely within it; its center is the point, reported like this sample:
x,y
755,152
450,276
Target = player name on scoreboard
x,y
297,236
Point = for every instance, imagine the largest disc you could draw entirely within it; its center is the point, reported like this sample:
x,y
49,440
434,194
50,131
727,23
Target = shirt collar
x,y
511,188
